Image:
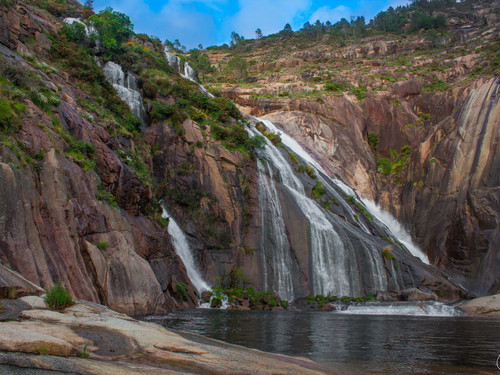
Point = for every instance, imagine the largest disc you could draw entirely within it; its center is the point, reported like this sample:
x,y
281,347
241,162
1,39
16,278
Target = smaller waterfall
x,y
173,60
188,73
182,249
395,228
127,88
89,30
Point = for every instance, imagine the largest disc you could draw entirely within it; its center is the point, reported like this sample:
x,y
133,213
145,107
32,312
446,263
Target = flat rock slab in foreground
x,y
117,344
484,306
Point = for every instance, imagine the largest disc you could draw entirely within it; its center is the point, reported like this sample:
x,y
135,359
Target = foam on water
x,y
435,309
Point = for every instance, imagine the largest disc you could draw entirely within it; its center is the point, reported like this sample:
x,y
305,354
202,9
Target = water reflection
x,y
391,344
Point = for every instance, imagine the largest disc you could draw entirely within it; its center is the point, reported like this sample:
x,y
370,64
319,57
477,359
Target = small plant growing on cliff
x,y
84,354
318,190
102,245
181,291
58,298
294,158
372,140
42,350
387,253
284,304
310,172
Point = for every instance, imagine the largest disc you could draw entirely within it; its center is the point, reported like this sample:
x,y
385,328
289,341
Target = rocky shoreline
x,y
88,338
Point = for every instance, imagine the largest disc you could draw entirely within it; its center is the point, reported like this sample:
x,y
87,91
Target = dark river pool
x,y
380,344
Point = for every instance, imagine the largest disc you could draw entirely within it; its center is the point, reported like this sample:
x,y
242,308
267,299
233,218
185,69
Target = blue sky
x,y
210,22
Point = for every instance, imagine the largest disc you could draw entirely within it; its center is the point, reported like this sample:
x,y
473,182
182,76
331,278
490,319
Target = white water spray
x,y
126,87
183,249
434,309
385,218
396,229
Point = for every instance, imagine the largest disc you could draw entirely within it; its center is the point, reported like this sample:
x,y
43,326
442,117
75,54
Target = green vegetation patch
x,y
58,298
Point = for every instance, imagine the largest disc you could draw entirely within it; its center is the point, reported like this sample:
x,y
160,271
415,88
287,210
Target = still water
x,y
381,344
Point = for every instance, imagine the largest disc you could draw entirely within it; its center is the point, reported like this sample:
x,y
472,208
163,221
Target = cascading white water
x,y
435,309
274,241
188,73
293,145
333,258
395,228
392,225
182,249
126,87
173,61
89,30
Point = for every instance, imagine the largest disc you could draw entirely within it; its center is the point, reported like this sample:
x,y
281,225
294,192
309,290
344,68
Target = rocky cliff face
x,y
436,99
82,180
53,227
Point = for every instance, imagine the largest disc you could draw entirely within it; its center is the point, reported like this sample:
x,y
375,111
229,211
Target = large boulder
x,y
13,285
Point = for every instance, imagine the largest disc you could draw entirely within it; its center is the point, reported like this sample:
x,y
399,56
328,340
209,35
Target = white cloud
x,y
333,15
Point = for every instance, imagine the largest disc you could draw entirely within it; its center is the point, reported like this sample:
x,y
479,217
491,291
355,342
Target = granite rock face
x,y
448,194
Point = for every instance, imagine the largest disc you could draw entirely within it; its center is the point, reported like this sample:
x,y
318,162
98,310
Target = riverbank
x,y
88,338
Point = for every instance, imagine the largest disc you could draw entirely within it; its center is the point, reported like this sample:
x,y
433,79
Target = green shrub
x,y
294,158
102,245
7,115
372,140
181,291
364,211
58,298
387,253
345,299
435,86
318,190
310,172
284,304
350,199
215,302
359,92
84,354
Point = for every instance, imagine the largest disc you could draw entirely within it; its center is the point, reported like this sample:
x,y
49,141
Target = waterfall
x,y
173,61
126,87
395,229
335,269
293,145
89,30
182,249
277,256
188,73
